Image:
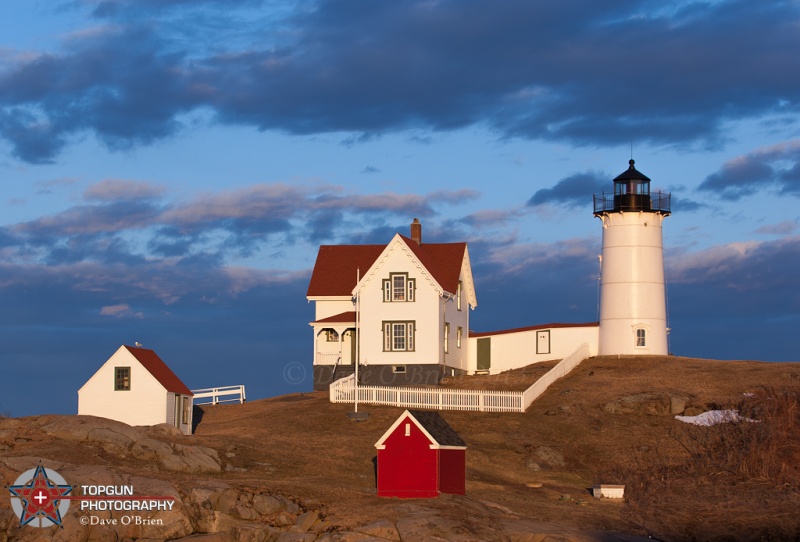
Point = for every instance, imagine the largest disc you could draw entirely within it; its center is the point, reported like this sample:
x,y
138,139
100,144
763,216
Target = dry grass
x,y
735,481
682,483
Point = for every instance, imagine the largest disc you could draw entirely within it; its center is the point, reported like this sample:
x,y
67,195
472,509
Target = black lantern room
x,y
632,193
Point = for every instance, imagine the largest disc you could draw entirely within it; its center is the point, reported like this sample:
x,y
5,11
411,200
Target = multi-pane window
x,y
398,287
446,336
459,332
331,336
398,336
458,295
641,337
122,378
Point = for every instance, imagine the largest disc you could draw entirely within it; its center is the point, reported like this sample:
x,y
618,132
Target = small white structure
x,y
136,387
633,312
608,491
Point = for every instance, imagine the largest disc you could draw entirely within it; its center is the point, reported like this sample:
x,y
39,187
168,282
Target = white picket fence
x,y
223,394
344,391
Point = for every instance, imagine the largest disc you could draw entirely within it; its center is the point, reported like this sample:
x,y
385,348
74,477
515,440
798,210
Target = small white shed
x,y
136,387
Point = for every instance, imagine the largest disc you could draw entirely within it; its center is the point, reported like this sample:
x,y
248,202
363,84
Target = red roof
x,y
156,367
531,328
335,270
348,317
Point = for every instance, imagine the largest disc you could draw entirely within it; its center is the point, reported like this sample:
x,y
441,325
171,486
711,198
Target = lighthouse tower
x,y
633,312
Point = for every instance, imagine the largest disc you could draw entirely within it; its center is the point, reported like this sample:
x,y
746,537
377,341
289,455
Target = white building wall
x,y
456,357
330,307
513,350
144,404
424,311
632,293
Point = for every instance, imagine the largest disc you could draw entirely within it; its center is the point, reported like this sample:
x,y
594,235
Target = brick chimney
x,y
416,231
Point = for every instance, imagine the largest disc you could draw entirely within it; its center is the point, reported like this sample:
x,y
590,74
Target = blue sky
x,y
169,168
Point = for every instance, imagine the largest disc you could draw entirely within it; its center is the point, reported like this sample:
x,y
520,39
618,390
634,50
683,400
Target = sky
x,y
169,169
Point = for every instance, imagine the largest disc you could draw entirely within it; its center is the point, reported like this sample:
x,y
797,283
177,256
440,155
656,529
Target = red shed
x,y
420,456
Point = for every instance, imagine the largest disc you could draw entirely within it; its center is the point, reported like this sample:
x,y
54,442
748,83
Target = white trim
x,y
407,414
397,241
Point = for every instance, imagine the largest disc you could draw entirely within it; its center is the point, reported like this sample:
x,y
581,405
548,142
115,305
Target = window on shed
x,y
122,378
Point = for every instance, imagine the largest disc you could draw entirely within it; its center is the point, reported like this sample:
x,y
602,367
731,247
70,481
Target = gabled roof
x,y
336,268
156,367
433,425
442,260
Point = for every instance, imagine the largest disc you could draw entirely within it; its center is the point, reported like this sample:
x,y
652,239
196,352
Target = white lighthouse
x,y
633,312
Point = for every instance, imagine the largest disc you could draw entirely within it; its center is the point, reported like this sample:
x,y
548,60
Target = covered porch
x,y
334,348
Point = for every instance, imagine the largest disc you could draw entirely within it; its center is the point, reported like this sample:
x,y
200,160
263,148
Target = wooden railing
x,y
223,394
344,391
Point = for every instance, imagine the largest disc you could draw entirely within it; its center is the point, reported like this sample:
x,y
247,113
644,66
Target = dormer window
x,y
398,287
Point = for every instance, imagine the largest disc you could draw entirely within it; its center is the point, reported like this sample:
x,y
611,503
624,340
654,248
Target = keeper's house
x,y
412,300
136,387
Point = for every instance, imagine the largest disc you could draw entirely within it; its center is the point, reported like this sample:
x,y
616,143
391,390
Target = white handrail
x,y
217,393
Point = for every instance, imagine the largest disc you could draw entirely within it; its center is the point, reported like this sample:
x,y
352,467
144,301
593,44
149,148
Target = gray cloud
x,y
775,168
575,71
573,191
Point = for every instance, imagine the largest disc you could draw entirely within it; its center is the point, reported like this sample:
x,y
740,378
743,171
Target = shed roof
x,y
433,425
437,427
156,367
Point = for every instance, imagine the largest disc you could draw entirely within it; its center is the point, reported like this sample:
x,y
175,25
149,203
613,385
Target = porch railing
x,y
223,394
344,391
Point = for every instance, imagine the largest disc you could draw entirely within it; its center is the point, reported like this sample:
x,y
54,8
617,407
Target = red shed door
x,y
407,467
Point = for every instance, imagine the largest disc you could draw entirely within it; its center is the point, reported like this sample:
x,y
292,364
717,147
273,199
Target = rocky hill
x,y
295,468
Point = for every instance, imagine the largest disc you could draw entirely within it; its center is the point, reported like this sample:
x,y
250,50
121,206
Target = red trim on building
x,y
531,328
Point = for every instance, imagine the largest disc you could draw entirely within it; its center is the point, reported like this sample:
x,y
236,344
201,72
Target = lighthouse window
x,y
641,337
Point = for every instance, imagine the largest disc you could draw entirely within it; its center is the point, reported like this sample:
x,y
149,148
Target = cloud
x,y
126,221
776,167
785,227
572,191
122,310
579,71
121,189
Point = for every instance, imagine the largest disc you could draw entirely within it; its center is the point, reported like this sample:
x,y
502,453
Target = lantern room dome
x,y
631,193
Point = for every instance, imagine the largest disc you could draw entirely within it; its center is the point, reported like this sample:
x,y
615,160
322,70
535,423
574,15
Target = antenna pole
x,y
358,338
